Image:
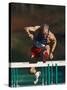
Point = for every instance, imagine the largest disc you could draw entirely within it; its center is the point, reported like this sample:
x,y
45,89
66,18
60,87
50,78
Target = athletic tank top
x,y
40,40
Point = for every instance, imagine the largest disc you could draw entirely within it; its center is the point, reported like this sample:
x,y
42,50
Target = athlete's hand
x,y
31,36
51,55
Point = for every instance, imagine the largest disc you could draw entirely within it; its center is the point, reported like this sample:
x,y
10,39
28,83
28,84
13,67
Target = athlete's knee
x,y
46,54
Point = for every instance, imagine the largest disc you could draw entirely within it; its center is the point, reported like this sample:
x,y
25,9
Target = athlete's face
x,y
45,30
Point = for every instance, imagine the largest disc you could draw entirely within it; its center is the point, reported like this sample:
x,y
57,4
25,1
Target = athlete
x,y
44,44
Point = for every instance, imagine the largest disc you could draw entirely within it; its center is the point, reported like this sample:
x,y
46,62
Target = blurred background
x,y
23,15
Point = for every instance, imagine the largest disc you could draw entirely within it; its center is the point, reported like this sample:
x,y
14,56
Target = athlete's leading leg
x,y
33,70
36,73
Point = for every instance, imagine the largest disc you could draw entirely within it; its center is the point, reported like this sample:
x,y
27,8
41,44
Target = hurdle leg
x,y
52,74
45,75
56,73
42,75
48,73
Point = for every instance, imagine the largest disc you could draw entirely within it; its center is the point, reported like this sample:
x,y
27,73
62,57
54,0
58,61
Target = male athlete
x,y
44,44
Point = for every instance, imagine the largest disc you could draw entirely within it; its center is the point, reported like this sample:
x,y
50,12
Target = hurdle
x,y
47,68
38,64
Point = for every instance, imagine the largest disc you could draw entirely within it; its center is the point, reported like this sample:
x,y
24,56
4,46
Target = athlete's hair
x,y
42,28
40,31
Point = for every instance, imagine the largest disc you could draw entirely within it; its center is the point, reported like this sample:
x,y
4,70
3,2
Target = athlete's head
x,y
45,29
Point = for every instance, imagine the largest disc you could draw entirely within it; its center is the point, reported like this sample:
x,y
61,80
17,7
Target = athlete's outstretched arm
x,y
31,28
53,38
54,45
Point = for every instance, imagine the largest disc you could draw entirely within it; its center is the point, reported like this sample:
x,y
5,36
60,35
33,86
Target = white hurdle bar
x,y
38,64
